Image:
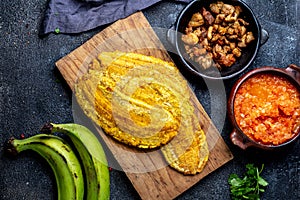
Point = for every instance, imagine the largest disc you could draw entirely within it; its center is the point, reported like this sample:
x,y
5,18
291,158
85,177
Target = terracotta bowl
x,y
292,74
248,54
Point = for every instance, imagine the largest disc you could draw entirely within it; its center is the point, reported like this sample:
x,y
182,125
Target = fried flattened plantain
x,y
132,104
188,151
143,101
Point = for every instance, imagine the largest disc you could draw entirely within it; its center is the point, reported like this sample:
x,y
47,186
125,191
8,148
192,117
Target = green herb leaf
x,y
248,187
262,181
57,30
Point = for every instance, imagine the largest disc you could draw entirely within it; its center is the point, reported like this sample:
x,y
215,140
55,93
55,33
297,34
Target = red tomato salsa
x,y
267,109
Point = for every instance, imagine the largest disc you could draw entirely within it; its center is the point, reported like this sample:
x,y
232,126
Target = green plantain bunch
x,y
80,168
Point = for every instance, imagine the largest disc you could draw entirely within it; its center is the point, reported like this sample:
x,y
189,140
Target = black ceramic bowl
x,y
290,73
248,53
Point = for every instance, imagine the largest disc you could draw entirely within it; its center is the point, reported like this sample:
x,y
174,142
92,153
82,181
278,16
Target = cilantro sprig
x,y
250,186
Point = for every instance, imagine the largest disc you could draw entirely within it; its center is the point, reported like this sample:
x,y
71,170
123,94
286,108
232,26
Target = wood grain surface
x,y
147,171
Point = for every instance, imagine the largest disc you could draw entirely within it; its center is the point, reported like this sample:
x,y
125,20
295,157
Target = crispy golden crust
x,y
144,102
133,105
187,156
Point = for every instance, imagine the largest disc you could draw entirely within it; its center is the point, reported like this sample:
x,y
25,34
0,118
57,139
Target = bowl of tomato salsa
x,y
264,108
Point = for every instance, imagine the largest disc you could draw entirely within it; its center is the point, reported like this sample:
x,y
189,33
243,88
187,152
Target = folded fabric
x,y
75,16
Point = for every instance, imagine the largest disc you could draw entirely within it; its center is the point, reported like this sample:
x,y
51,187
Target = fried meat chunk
x,y
196,20
190,38
208,16
224,28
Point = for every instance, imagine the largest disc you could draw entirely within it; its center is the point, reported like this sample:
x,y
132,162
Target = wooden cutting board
x,y
148,172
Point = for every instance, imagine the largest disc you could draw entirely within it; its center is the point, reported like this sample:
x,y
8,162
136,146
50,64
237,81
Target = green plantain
x,y
61,158
92,156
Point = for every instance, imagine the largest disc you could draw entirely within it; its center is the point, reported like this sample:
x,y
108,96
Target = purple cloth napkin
x,y
75,16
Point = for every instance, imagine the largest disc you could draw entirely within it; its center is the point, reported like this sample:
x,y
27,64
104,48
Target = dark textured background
x,y
33,92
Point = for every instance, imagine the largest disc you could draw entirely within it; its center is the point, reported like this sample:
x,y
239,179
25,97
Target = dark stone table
x,y
33,92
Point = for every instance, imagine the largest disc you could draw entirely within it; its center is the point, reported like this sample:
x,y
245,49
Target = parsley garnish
x,y
248,187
